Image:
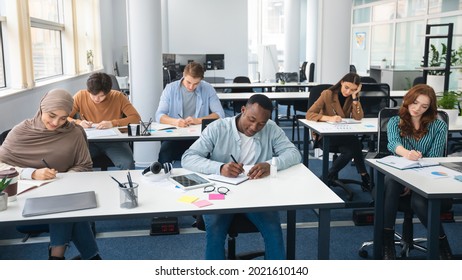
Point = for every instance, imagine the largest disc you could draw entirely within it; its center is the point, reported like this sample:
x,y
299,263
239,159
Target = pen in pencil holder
x,y
128,195
145,128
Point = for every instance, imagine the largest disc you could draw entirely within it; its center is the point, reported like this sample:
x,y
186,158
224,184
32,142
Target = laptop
x,y
457,166
44,205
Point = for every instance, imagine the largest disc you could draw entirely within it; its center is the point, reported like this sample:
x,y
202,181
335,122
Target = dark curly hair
x,y
405,125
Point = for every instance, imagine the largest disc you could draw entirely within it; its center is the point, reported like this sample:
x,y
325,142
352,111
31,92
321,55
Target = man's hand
x,y
85,124
232,169
103,125
44,174
181,123
190,120
259,170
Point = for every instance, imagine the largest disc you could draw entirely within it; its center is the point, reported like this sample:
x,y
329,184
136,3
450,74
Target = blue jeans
x,y
268,223
119,153
61,234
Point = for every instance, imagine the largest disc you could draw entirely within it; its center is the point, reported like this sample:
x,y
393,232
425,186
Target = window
x,y
46,18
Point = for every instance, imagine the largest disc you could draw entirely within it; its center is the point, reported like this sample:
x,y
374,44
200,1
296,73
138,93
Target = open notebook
x,y
36,206
404,163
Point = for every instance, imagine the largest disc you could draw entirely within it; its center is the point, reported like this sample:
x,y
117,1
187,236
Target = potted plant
x,y
449,102
436,58
90,60
3,195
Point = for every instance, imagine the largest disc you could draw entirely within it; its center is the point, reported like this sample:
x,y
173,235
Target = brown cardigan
x,y
328,104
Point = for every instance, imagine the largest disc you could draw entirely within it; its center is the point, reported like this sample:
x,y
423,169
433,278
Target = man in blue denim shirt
x,y
253,139
186,102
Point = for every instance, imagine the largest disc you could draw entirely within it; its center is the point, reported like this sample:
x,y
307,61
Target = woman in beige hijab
x,y
64,147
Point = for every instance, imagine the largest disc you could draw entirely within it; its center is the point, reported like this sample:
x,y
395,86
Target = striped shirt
x,y
432,144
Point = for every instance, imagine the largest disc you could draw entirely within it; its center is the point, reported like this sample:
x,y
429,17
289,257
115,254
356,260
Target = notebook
x,y
36,206
404,163
456,166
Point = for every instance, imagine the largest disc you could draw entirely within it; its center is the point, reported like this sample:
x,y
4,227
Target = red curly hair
x,y
405,125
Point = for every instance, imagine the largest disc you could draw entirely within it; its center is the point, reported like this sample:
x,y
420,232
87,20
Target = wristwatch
x,y
356,99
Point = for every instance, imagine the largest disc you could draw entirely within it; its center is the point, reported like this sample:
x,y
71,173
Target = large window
x,y
46,27
395,30
2,61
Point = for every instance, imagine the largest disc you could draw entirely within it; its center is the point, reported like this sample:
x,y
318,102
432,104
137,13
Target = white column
x,y
145,67
334,27
292,36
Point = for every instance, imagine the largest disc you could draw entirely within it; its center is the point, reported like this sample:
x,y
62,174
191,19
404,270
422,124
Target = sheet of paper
x,y
93,132
234,181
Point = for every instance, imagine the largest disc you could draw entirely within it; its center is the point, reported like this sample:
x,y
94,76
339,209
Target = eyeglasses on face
x,y
221,190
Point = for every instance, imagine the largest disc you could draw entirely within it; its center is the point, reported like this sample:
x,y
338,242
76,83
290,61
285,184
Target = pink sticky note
x,y
216,196
202,203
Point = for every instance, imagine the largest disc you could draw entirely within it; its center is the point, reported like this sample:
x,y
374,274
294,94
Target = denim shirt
x,y
171,101
221,139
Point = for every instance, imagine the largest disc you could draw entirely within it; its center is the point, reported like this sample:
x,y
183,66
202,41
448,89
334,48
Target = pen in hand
x,y
46,163
235,161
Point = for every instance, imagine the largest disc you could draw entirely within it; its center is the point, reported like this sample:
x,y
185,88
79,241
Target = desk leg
x,y
324,234
378,215
325,158
306,144
433,228
291,234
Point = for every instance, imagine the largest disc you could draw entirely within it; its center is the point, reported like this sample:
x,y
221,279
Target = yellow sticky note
x,y
188,199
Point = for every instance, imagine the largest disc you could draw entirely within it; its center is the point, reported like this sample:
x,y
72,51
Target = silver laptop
x,y
59,203
457,166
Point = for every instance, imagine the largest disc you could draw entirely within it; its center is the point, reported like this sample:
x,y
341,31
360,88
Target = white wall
x,y
213,27
17,107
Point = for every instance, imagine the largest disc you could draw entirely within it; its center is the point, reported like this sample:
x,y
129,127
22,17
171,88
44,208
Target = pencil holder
x,y
145,128
129,195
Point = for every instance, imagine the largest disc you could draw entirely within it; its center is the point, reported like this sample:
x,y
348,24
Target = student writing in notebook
x,y
342,101
101,107
414,133
63,145
252,139
186,102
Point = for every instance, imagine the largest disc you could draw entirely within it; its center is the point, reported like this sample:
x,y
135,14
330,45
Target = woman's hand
x,y
335,119
356,93
44,174
413,155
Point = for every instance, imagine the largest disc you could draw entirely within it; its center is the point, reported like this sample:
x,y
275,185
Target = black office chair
x,y
244,80
240,224
405,240
367,79
352,68
302,73
418,80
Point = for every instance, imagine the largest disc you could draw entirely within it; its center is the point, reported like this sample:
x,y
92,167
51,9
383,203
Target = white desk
x,y
432,189
326,130
181,133
267,86
294,188
292,96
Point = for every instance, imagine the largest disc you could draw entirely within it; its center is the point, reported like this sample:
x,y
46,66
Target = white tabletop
x,y
180,133
296,95
293,188
367,126
426,186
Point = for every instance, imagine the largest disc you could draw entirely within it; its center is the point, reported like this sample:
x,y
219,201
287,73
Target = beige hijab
x,y
64,149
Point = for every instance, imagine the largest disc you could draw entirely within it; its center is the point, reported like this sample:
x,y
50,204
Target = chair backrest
x,y
315,93
418,80
242,80
3,136
311,74
374,97
384,116
115,83
352,68
302,74
368,79
287,77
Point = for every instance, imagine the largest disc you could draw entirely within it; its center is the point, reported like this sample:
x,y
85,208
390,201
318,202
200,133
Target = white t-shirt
x,y
247,156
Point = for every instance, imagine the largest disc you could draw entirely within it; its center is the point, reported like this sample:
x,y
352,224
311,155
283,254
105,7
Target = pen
x,y
120,184
234,159
335,113
180,116
46,163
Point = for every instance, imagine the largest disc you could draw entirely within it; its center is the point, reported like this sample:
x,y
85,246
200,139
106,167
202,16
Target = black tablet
x,y
190,181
